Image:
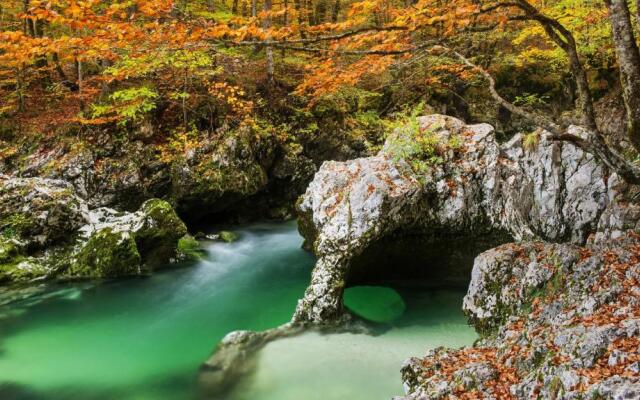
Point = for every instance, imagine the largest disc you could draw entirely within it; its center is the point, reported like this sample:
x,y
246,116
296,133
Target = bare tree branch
x,y
323,50
594,144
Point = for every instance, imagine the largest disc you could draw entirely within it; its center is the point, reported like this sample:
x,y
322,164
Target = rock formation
x,y
467,185
47,231
557,321
558,311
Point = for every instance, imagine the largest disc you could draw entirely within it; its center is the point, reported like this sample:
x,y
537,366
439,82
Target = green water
x,y
145,338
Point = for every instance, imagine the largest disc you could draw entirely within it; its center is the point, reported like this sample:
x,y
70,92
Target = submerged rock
x,y
374,303
442,178
46,231
234,357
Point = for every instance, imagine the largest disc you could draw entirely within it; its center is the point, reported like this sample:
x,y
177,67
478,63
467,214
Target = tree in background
x,y
106,62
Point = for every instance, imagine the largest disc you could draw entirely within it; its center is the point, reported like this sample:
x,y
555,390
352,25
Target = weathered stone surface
x,y
559,321
235,356
245,169
40,212
107,253
475,187
46,230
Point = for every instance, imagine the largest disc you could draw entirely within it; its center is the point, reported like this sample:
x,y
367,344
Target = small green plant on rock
x,y
228,237
420,147
530,141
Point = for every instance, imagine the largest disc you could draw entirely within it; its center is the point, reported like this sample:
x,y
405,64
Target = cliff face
x,y
475,187
213,175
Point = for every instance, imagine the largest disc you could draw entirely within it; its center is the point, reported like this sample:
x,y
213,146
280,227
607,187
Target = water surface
x,y
141,339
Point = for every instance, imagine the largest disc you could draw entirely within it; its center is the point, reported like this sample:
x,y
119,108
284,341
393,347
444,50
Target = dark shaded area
x,y
429,261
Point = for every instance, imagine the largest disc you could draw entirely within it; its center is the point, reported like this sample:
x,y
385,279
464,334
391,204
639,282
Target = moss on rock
x,y
9,249
40,212
22,269
158,236
228,237
189,247
107,254
15,266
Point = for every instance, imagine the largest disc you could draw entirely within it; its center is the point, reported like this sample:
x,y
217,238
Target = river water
x,y
145,338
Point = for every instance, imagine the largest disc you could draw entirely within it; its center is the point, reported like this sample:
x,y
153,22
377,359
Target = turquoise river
x,y
144,339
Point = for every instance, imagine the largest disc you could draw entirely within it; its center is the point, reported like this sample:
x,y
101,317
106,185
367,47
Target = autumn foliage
x,y
200,64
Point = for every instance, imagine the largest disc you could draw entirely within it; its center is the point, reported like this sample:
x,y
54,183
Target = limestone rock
x,y
443,177
40,212
109,254
558,321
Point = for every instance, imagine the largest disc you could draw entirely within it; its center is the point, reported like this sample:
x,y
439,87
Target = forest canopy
x,y
190,65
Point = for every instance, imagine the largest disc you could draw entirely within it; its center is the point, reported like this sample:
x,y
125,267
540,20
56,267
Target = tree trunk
x,y
285,17
211,7
297,4
564,39
27,22
336,11
234,7
629,63
254,8
245,8
320,12
184,100
79,71
20,88
285,22
308,7
266,24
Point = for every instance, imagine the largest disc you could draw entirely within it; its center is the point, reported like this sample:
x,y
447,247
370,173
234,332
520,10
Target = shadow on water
x,y
170,387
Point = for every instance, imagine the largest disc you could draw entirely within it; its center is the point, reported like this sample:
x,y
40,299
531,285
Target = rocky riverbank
x,y
47,231
249,172
554,284
558,321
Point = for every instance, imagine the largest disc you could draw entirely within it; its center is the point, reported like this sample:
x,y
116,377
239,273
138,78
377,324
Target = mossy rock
x,y
157,238
189,247
22,269
228,236
107,254
9,249
39,212
14,265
